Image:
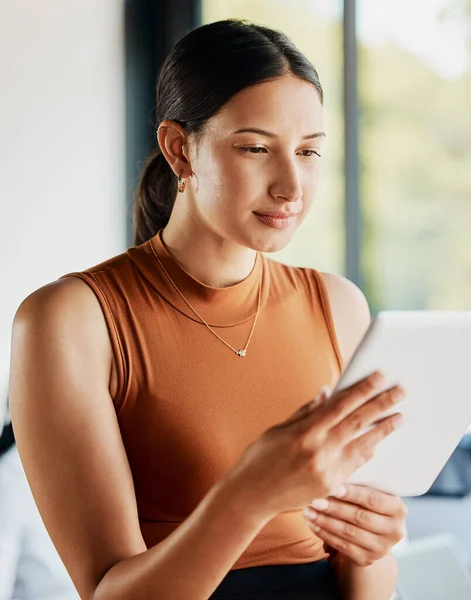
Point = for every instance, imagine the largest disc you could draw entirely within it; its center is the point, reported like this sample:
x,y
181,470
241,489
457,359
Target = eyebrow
x,y
273,135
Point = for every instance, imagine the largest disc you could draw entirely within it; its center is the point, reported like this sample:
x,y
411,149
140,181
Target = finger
x,y
367,415
331,550
357,554
354,514
373,500
346,531
348,400
362,448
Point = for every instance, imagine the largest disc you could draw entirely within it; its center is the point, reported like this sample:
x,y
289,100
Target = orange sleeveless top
x,y
187,405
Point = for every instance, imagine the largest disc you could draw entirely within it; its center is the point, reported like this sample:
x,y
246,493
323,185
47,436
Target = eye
x,y
311,153
252,150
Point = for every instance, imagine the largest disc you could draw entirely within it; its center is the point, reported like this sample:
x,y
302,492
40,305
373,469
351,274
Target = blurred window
x,y
415,153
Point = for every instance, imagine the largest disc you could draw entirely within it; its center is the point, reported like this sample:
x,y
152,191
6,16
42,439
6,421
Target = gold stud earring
x,y
181,183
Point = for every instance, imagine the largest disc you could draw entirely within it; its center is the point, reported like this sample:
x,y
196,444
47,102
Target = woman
x,y
162,401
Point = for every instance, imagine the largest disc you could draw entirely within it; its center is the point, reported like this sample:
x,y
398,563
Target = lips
x,y
277,215
276,220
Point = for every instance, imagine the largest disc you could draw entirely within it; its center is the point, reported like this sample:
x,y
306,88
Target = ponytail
x,y
154,198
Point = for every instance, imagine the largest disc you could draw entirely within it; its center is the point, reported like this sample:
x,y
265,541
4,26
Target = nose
x,y
287,183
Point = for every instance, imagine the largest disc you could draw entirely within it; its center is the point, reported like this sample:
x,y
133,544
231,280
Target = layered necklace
x,y
240,353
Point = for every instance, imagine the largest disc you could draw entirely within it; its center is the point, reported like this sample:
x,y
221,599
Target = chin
x,y
271,241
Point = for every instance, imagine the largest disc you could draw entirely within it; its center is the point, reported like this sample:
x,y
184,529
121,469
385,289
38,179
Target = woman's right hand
x,y
316,450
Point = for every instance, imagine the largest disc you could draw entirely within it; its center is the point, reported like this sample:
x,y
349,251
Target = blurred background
x,y
393,210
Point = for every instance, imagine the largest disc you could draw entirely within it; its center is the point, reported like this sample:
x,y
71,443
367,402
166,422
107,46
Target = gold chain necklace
x,y
242,352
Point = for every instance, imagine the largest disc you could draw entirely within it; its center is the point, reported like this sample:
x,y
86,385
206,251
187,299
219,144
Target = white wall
x,y
62,172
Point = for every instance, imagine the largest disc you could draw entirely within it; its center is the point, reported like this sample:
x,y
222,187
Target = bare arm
x,y
193,560
71,449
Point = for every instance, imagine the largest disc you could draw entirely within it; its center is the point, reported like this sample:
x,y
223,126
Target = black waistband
x,y
7,438
311,581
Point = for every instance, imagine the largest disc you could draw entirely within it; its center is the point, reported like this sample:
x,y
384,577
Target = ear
x,y
172,139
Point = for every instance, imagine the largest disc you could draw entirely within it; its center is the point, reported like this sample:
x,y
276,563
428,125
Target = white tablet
x,y
429,354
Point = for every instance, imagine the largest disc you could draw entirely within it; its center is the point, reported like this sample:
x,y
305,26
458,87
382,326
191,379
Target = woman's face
x,y
239,176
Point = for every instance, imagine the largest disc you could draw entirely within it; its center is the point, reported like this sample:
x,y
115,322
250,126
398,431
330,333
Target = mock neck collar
x,y
223,307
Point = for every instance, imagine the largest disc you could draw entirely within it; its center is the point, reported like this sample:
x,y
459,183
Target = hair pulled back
x,y
203,71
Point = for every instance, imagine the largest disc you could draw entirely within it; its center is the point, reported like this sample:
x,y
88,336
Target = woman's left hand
x,y
363,525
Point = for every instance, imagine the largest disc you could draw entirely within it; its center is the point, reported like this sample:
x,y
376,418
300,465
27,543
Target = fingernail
x,y
378,378
326,392
340,492
309,513
398,394
398,420
320,398
320,504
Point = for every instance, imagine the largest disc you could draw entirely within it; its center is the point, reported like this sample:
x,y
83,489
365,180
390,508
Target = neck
x,y
212,260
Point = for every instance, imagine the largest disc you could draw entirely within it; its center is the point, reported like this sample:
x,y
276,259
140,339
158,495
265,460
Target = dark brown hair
x,y
203,71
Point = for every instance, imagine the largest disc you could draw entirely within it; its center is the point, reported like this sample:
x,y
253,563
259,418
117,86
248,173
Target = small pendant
x,y
241,352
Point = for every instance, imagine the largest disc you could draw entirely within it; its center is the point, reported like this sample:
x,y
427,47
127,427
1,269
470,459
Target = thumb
x,y
319,399
307,409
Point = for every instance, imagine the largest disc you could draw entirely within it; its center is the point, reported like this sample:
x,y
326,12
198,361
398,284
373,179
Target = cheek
x,y
219,187
208,179
233,180
309,193
311,181
240,170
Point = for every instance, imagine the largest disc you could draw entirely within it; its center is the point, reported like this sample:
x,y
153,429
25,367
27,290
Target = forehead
x,y
282,104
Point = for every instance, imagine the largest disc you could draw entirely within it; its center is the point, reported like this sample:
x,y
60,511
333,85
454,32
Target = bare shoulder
x,y
66,311
344,293
64,299
350,312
